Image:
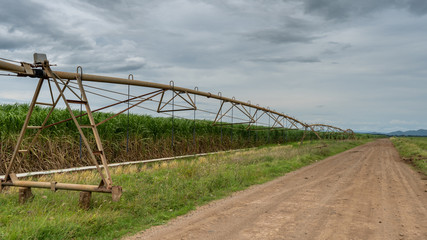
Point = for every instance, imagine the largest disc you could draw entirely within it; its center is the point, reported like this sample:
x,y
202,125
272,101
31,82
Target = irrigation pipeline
x,y
30,71
62,82
87,168
142,107
328,128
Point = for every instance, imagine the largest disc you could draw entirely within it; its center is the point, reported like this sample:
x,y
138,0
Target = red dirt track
x,y
364,193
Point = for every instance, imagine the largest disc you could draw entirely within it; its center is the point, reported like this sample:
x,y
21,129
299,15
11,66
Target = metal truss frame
x,y
324,128
29,71
162,105
62,80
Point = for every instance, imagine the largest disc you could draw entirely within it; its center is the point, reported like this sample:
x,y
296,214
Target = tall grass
x,y
413,150
153,193
150,137
13,116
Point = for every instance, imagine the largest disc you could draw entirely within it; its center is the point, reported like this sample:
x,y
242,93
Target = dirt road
x,y
364,193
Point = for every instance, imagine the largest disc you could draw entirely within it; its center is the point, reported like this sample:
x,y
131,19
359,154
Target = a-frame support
x,y
95,152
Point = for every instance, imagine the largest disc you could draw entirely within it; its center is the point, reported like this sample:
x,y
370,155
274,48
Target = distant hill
x,y
417,133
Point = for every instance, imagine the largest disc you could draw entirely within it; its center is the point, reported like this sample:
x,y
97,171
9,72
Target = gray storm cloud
x,y
362,61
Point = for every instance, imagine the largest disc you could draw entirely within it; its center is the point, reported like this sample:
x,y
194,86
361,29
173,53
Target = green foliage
x,y
150,137
153,193
143,126
413,150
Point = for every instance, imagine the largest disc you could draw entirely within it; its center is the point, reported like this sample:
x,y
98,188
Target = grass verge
x,y
153,193
148,137
413,150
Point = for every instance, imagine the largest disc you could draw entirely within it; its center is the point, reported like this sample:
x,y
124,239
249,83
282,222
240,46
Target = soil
x,y
367,192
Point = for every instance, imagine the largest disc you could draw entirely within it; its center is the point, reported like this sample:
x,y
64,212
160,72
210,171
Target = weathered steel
x,y
176,94
84,200
329,128
95,78
58,186
154,94
65,78
24,70
24,128
106,179
106,186
25,194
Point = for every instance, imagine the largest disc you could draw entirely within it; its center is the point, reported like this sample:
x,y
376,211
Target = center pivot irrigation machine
x,y
69,89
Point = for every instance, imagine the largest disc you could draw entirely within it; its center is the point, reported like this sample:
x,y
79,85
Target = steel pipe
x,y
5,66
57,186
328,126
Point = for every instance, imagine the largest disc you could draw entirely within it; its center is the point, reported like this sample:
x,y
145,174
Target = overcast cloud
x,y
354,64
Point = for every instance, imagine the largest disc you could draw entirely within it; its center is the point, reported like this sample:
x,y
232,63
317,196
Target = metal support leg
x,y
84,201
25,194
23,130
194,125
106,180
303,136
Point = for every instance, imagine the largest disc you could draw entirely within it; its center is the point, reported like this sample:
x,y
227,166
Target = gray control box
x,y
39,58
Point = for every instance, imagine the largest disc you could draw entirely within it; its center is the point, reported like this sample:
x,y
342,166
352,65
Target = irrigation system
x,y
70,88
328,131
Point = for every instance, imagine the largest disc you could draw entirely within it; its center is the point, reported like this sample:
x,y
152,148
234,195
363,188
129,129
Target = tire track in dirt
x,y
364,193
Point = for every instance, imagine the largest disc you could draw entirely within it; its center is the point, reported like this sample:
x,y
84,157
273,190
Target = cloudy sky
x,y
354,64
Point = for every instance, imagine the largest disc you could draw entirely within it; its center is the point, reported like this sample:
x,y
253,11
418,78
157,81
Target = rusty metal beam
x,y
332,129
20,70
176,94
58,186
43,72
30,70
328,126
155,93
242,109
